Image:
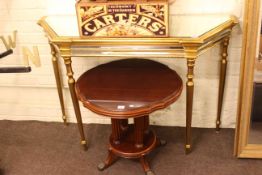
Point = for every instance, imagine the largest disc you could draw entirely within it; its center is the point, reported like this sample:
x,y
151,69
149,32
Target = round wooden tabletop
x,y
128,88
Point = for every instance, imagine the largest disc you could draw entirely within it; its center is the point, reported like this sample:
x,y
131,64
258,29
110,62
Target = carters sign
x,y
123,18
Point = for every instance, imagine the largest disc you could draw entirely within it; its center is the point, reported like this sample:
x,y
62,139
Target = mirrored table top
x,y
189,26
191,30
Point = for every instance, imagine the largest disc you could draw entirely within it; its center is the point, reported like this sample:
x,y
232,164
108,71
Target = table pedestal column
x,y
131,141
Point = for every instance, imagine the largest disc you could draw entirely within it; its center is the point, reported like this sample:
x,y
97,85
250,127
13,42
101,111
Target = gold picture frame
x,y
242,148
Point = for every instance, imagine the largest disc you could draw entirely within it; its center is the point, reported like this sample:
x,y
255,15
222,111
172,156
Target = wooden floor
x,y
37,148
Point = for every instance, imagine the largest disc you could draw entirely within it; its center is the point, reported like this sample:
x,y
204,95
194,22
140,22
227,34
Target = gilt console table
x,y
190,36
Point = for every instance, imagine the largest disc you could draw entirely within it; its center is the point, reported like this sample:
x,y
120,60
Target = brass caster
x,y
150,172
101,166
65,120
84,145
217,130
188,149
217,126
65,123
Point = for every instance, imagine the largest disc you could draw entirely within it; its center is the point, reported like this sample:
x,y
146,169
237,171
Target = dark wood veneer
x,y
144,85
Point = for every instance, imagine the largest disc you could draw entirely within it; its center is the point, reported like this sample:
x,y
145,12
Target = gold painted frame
x,y
251,20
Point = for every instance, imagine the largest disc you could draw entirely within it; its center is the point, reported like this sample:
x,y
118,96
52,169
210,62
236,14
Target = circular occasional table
x,y
124,89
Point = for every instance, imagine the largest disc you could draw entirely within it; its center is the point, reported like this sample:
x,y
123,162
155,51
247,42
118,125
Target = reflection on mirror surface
x,y
180,25
255,134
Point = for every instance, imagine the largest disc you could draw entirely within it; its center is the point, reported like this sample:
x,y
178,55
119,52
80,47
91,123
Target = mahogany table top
x,y
128,88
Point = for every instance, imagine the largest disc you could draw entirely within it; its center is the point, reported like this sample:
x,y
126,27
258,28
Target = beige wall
x,y
33,96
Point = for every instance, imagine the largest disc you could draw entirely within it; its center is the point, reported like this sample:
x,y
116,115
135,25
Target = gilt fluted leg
x,y
189,102
58,81
65,52
223,68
